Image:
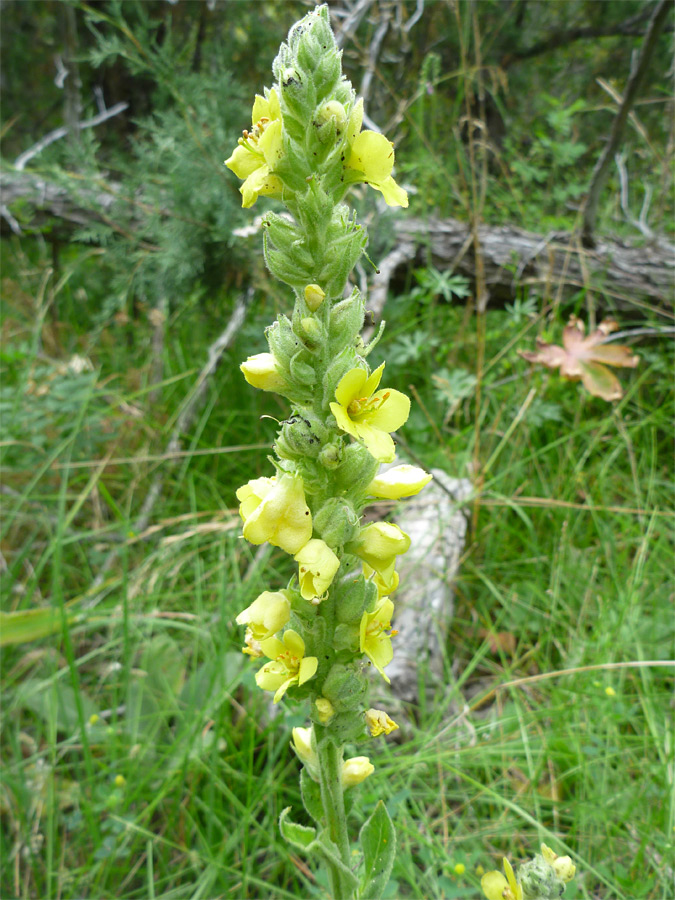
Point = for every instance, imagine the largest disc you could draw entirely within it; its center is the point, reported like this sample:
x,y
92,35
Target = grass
x,y
553,721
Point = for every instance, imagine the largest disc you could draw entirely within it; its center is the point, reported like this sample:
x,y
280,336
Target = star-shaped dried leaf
x,y
586,358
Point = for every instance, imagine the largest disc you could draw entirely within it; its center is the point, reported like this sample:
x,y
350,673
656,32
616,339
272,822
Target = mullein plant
x,y
318,638
542,878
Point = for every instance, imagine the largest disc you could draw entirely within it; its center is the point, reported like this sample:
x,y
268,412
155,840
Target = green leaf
x,y
305,838
311,796
299,836
28,625
378,841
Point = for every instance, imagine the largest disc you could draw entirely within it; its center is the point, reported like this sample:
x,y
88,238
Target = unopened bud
x,y
314,296
333,110
262,371
325,709
356,770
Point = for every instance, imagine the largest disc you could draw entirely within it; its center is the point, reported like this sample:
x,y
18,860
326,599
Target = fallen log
x,y
513,258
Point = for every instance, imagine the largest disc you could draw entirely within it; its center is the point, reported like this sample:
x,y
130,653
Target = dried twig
x,y
61,132
601,170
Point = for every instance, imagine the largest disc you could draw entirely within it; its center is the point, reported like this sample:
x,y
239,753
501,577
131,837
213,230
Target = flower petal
x,y
243,162
261,109
344,423
272,647
392,412
284,687
351,386
373,155
270,143
307,669
294,643
393,193
373,381
494,884
378,443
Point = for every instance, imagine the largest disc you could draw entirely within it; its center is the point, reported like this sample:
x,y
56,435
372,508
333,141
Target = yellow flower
x,y
609,690
460,868
497,887
367,414
317,567
258,151
275,511
371,158
401,481
379,722
378,545
375,636
356,770
563,866
261,371
120,781
385,586
303,746
266,615
289,664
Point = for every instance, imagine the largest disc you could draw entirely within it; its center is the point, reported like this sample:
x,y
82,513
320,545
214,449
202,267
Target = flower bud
x,y
379,544
345,686
303,745
314,296
346,319
336,522
317,567
379,722
330,456
356,770
262,371
398,482
332,110
356,469
300,436
311,331
267,615
325,710
275,511
564,868
353,596
301,371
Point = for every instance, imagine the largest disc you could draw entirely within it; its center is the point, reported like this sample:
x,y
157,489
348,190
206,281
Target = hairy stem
x,y
332,798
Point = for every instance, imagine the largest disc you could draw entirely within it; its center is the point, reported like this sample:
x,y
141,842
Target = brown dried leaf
x,y
586,358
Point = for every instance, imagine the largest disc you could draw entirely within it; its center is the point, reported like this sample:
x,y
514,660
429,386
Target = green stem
x,y
332,799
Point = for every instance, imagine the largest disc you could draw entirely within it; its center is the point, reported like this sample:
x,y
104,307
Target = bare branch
x,y
659,12
61,132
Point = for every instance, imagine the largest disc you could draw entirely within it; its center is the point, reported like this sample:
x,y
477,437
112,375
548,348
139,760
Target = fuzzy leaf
x,y
378,840
299,836
586,358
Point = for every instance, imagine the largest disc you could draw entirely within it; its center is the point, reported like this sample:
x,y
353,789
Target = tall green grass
x,y
554,719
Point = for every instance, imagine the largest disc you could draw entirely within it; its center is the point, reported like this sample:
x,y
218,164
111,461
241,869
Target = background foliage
x,y
139,759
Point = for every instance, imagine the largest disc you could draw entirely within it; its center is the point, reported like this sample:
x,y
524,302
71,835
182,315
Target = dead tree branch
x,y
513,257
601,170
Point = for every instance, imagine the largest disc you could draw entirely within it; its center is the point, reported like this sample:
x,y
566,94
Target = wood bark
x,y
514,258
